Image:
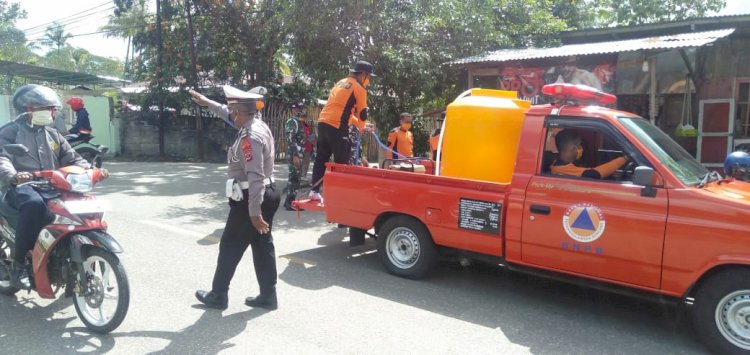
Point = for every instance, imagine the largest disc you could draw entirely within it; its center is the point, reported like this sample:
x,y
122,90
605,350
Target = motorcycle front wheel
x,y
102,302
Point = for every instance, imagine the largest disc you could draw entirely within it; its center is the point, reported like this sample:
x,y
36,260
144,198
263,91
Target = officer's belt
x,y
267,182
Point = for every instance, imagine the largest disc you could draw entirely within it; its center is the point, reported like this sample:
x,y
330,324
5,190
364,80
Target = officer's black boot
x,y
267,301
19,276
213,299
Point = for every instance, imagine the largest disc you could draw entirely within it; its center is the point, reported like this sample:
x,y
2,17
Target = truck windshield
x,y
670,154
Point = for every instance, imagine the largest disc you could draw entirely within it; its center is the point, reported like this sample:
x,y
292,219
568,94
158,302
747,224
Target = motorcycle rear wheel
x,y
100,267
5,261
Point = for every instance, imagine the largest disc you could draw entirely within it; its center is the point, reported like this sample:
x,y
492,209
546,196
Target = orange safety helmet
x,y
76,103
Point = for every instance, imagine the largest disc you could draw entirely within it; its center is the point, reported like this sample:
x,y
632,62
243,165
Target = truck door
x,y
599,227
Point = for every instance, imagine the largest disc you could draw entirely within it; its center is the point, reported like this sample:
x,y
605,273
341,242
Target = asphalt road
x,y
333,299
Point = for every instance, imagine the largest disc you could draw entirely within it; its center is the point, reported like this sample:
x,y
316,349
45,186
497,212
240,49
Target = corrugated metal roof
x,y
683,40
53,75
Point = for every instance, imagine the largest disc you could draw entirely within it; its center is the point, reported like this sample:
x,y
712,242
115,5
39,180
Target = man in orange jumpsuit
x,y
347,104
400,138
570,150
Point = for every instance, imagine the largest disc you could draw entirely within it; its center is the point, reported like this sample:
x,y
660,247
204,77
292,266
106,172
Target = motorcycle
x,y
93,153
74,252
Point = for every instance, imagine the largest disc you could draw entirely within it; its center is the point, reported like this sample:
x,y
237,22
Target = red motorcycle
x,y
74,252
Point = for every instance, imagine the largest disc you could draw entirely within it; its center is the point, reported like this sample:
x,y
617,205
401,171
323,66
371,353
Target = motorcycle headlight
x,y
80,182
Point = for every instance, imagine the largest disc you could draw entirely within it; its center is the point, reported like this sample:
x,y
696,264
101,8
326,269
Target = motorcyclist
x,y
82,127
737,165
48,150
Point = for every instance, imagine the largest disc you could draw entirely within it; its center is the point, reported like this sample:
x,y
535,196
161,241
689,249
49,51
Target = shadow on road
x,y
26,322
208,335
530,311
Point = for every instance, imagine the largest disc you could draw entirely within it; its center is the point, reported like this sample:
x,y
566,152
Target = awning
x,y
683,40
54,75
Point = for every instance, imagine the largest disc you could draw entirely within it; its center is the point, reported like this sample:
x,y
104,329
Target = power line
x,y
71,21
45,25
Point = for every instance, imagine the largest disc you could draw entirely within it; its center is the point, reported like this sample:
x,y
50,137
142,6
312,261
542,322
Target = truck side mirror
x,y
643,176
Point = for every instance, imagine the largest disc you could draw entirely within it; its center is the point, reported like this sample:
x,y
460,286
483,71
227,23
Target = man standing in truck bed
x,y
346,104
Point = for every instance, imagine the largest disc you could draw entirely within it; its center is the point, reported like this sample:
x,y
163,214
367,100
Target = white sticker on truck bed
x,y
478,215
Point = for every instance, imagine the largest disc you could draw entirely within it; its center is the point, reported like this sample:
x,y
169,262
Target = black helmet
x,y
34,96
362,66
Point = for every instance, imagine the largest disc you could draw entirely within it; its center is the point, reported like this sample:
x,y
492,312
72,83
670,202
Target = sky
x,y
83,17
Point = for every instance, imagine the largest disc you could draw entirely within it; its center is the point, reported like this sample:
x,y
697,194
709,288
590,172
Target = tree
x,y
583,14
130,19
55,36
12,40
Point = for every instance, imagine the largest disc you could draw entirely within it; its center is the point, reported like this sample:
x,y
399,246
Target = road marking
x,y
174,229
298,260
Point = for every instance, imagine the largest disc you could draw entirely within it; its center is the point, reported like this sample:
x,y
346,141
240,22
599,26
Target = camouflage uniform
x,y
295,139
353,133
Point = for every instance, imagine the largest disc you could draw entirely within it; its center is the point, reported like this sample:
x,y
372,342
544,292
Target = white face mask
x,y
41,118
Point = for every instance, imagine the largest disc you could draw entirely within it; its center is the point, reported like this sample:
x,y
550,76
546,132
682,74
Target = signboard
x,y
597,72
480,216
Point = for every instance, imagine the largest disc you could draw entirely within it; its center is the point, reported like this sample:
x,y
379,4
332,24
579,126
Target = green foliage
x,y
12,40
582,14
248,43
80,60
55,36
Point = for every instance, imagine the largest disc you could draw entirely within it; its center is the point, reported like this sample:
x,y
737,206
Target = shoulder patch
x,y
247,149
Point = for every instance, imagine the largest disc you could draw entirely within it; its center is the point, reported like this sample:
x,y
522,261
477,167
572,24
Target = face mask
x,y
405,126
580,153
41,118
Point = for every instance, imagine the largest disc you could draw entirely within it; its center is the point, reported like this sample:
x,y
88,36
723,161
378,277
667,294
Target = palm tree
x,y
79,56
128,24
55,36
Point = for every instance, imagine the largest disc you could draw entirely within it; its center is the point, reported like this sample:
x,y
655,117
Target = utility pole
x,y
159,78
194,79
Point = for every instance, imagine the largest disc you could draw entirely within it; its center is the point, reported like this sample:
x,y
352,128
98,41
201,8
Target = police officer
x,y
253,199
295,140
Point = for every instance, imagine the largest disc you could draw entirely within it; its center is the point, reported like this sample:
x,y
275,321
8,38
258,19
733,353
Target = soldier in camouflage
x,y
295,140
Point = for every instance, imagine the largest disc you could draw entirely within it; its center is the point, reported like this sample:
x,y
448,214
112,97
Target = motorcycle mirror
x,y
16,149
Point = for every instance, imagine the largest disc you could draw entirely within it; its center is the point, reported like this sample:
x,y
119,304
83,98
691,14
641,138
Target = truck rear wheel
x,y
406,248
721,315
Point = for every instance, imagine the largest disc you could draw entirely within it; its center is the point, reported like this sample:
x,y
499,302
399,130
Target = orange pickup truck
x,y
657,224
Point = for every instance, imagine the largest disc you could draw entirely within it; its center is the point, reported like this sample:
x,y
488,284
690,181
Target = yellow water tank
x,y
480,135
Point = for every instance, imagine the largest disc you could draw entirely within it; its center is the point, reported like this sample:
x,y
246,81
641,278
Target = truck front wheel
x,y
721,315
406,248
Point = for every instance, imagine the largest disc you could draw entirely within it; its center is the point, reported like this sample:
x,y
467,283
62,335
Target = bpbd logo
x,y
584,222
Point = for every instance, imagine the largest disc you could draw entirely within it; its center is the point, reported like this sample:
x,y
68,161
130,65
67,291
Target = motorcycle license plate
x,y
88,206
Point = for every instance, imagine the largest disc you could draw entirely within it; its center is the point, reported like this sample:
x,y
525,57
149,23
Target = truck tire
x,y
721,313
406,248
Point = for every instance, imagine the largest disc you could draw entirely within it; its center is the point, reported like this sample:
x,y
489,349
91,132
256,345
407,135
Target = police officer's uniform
x,y
252,192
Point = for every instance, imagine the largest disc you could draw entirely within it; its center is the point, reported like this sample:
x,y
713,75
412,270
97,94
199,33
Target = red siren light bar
x,y
581,92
